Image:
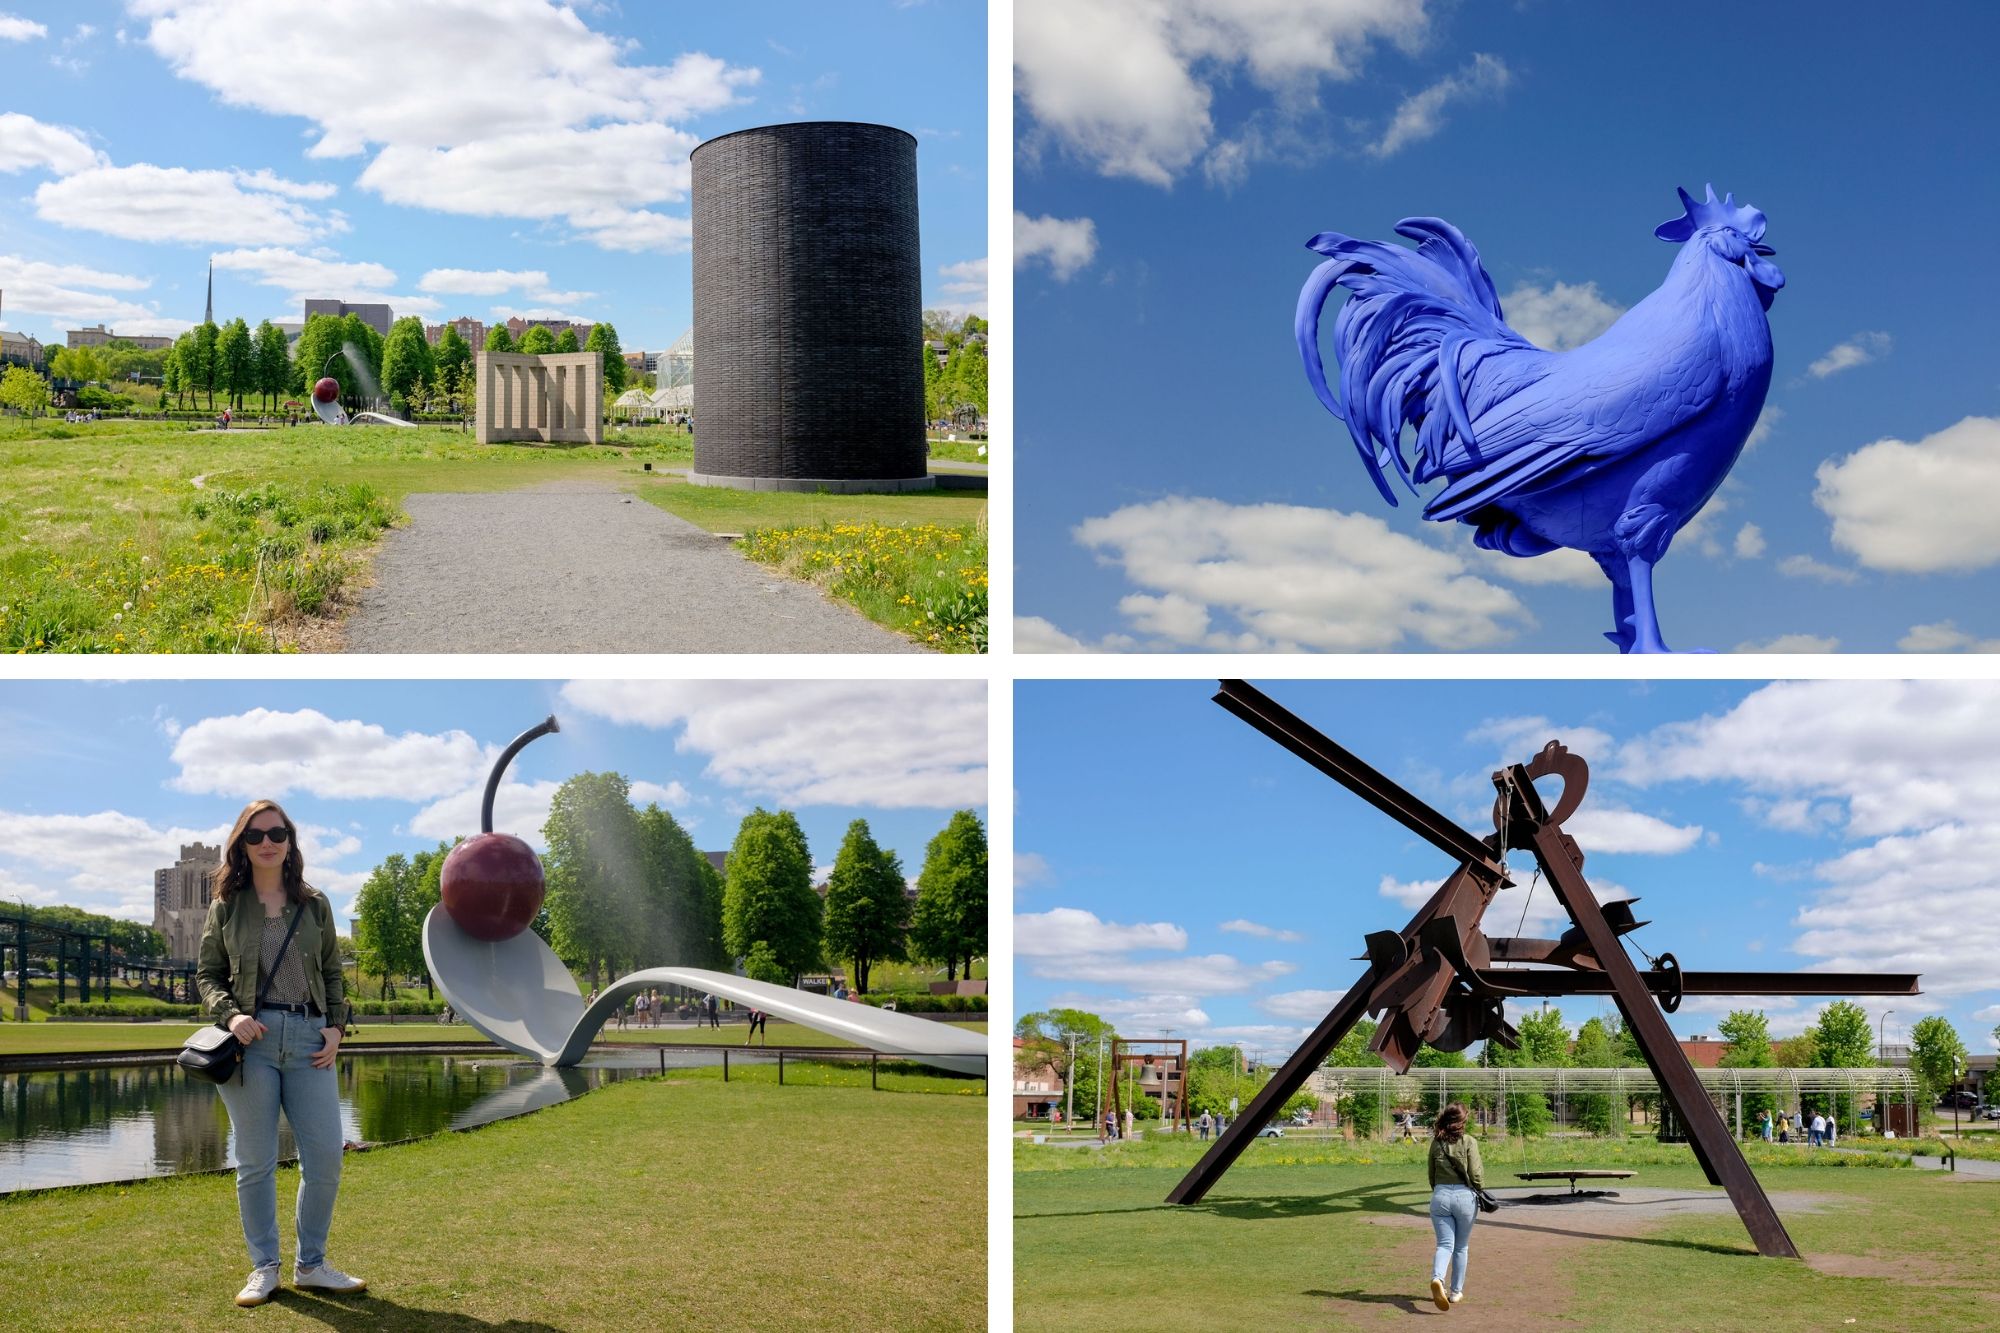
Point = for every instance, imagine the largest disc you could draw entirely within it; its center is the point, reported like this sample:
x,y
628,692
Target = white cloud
x,y
261,753
1070,931
1300,1004
1064,244
28,144
1856,351
1140,1014
1421,115
507,312
1561,316
1293,578
1807,567
1918,508
1945,636
1528,907
1601,828
304,275
143,202
1767,420
519,808
373,71
1749,542
907,744
1563,566
672,796
107,858
1791,643
1127,85
1032,634
14,28
1242,927
61,291
1030,869
482,282
965,285
1518,739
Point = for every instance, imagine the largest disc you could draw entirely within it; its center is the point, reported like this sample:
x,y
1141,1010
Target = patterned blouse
x,y
288,985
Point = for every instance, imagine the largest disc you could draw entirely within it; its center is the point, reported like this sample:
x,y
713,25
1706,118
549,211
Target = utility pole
x,y
1069,1085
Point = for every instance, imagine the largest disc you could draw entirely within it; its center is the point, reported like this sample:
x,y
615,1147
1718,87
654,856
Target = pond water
x,y
119,1122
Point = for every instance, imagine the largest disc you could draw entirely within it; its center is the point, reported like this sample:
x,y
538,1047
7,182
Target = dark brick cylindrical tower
x,y
808,309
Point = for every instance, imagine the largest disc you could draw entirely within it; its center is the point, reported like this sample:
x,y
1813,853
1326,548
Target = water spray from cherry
x,y
492,884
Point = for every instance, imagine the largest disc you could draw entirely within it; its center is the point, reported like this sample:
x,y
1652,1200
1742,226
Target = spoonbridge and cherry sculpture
x,y
510,986
1442,981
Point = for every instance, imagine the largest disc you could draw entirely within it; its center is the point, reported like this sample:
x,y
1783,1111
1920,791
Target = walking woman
x,y
1456,1179
269,930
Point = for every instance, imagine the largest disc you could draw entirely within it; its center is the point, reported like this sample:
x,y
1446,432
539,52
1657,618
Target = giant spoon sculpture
x,y
510,986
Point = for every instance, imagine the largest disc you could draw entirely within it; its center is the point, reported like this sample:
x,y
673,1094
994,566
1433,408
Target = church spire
x,y
209,316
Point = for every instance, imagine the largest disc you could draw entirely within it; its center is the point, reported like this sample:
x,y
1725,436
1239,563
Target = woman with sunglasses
x,y
289,1043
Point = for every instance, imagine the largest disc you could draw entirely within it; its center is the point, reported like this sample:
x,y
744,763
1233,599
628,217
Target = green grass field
x,y
107,543
1301,1236
658,1203
51,1038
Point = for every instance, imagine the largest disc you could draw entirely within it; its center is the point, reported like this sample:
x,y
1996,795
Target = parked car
x,y
1964,1101
1990,1113
1271,1132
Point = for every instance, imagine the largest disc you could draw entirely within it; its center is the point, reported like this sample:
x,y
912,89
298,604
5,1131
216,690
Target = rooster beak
x,y
1763,249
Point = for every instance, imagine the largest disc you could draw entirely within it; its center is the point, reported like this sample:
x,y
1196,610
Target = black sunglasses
x,y
253,836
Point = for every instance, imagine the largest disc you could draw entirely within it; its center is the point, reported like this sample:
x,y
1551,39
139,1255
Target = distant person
x,y
1456,1177
1767,1124
1128,1124
1203,1125
269,971
1818,1130
715,1013
1110,1126
1832,1132
756,1027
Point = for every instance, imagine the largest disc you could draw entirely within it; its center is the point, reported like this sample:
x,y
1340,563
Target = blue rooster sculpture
x,y
1609,448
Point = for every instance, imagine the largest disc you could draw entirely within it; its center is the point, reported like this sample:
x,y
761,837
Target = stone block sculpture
x,y
555,397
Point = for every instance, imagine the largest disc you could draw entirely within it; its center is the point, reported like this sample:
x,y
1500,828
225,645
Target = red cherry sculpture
x,y
326,390
492,885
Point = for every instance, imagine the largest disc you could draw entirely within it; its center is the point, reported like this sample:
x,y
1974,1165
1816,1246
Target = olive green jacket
x,y
232,945
1457,1163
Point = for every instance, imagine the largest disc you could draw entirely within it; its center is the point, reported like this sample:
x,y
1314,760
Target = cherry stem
x,y
500,767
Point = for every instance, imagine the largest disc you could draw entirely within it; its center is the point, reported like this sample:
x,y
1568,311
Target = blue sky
x,y
1180,873
461,157
1180,488
101,783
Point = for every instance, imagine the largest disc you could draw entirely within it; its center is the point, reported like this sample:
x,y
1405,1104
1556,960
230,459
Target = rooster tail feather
x,y
1312,299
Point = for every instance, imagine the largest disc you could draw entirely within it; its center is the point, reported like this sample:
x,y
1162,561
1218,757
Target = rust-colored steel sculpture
x,y
1441,981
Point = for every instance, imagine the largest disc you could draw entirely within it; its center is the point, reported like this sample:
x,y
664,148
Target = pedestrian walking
x,y
269,971
1456,1177
1818,1130
1767,1124
1832,1132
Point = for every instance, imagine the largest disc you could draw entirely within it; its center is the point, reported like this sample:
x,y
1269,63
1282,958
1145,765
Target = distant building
x,y
644,363
97,335
470,329
375,315
1038,1090
518,326
180,899
20,348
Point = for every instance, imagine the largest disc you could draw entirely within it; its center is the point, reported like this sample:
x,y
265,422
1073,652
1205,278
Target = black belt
x,y
308,1008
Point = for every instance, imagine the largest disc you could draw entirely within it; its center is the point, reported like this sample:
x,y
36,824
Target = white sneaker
x,y
261,1287
326,1278
1457,1296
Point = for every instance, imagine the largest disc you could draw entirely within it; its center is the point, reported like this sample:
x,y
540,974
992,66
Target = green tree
x,y
867,915
935,408
1748,1033
683,919
426,890
949,923
594,867
537,341
1357,1104
24,391
1595,1049
1842,1039
1936,1055
497,339
453,354
603,340
381,921
967,374
235,362
768,894
1046,1038
205,367
406,362
318,355
273,362
170,377
566,340
82,364
761,964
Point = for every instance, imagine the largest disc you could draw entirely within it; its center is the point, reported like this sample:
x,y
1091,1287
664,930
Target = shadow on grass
x,y
1360,1297
373,1312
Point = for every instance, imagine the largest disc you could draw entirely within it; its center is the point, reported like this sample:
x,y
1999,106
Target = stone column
x,y
559,402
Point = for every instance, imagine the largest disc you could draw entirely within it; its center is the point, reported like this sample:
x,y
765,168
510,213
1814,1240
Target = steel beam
x,y
1721,1160
1304,740
1568,981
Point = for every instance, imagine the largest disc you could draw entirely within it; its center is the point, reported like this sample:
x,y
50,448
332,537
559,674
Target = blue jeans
x,y
277,1071
1452,1209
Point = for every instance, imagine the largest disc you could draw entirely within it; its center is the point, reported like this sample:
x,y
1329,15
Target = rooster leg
x,y
1645,625
1621,600
1642,534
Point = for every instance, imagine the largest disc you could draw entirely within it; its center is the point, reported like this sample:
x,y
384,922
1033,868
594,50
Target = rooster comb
x,y
1712,212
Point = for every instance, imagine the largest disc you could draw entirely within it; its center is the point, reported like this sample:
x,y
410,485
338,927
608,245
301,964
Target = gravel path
x,y
585,568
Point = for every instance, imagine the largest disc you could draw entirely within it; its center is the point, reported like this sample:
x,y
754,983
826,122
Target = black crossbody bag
x,y
214,1052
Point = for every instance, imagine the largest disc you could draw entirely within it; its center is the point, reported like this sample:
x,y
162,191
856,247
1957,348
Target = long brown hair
x,y
234,872
1450,1124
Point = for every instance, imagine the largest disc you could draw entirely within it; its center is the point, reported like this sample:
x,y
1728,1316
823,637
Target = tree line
x,y
960,379
627,889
